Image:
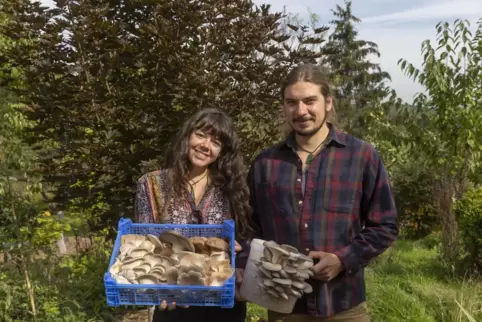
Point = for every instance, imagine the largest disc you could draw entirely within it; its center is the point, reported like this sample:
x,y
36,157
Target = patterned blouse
x,y
152,193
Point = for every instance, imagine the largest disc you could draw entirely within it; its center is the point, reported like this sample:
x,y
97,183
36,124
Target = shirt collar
x,y
334,135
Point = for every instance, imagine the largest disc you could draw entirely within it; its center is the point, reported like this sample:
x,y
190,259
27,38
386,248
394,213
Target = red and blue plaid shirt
x,y
347,208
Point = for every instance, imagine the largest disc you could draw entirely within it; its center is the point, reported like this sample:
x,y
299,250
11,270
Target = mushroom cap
x,y
264,271
171,275
193,262
218,278
277,254
126,248
155,241
133,238
308,288
270,243
220,255
131,263
147,279
217,244
299,285
121,279
219,266
147,245
289,248
178,256
268,282
199,243
116,267
177,241
129,274
272,267
191,278
282,281
138,253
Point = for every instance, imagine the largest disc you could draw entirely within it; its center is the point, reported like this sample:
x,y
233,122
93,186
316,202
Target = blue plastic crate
x,y
192,295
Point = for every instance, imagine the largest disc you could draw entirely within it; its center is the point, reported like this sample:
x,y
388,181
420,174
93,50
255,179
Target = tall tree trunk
x,y
28,284
22,262
445,195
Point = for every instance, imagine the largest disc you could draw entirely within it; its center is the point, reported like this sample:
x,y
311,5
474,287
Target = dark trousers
x,y
202,314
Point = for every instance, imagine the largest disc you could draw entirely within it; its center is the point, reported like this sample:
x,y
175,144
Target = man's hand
x,y
327,268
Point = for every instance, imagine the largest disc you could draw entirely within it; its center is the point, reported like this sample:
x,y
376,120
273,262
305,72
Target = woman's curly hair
x,y
227,172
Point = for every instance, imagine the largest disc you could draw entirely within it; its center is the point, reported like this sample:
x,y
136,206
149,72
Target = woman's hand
x,y
170,307
237,247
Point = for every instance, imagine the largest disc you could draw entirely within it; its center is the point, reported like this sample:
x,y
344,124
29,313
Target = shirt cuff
x,y
349,260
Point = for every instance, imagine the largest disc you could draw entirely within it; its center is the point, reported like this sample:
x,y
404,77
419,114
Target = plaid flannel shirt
x,y
347,209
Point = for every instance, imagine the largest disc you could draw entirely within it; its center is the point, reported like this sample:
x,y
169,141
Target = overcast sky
x,y
398,27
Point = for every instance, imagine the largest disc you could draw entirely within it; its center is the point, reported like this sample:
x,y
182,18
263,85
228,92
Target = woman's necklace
x,y
309,159
193,185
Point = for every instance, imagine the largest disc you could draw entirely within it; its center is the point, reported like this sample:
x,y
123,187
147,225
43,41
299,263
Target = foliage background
x,y
92,92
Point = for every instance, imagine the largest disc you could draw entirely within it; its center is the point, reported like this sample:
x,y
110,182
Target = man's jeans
x,y
358,313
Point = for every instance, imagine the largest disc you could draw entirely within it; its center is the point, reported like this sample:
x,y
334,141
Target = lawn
x,y
408,284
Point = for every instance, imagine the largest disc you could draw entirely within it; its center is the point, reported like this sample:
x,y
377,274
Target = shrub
x,y
468,211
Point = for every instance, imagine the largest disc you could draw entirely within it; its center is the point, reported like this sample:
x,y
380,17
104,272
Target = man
x,y
327,194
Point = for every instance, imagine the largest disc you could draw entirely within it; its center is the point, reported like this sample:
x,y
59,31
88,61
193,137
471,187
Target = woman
x,y
203,181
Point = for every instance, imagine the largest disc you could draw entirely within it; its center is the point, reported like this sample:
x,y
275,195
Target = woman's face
x,y
203,149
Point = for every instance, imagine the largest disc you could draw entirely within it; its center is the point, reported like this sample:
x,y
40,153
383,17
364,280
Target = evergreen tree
x,y
359,83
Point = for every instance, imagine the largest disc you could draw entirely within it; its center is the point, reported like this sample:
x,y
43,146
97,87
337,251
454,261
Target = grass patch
x,y
408,283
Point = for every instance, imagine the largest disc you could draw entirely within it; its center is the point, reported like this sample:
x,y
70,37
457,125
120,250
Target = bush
x,y
468,211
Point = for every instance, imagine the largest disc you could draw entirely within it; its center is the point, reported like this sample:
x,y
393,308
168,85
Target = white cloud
x,y
439,10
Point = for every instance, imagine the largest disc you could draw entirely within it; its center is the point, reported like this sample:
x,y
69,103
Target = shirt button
x,y
300,202
307,250
306,225
299,180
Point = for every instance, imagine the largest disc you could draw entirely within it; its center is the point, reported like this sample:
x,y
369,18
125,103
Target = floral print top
x,y
151,196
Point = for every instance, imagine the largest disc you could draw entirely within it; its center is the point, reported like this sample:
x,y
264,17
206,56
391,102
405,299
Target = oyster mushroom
x,y
147,279
271,267
308,288
221,255
282,281
178,256
138,252
191,278
289,248
116,267
131,263
155,241
216,244
276,253
132,238
218,278
177,241
264,271
200,244
121,279
129,274
171,275
219,266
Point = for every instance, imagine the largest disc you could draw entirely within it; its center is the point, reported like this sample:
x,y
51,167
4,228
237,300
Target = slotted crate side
x,y
133,294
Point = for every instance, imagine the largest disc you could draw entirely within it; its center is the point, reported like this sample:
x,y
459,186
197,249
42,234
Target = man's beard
x,y
314,131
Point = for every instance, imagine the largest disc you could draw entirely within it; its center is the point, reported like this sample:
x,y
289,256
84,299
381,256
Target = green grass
x,y
408,283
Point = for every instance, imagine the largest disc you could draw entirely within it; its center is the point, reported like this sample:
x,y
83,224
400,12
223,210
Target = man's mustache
x,y
302,118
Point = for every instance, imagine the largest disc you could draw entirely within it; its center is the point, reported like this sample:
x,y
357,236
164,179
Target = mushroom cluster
x,y
284,271
172,259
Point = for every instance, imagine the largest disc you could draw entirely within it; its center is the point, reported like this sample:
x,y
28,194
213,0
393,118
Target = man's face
x,y
305,108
